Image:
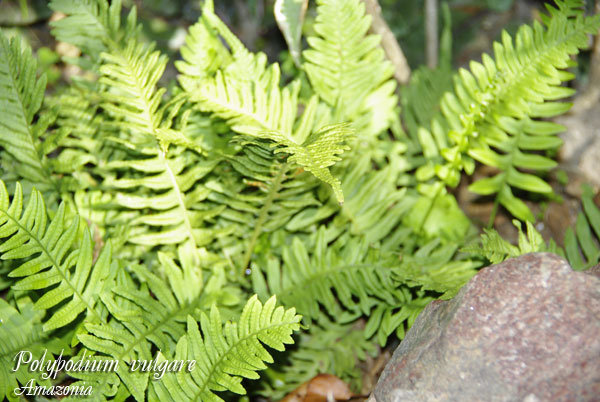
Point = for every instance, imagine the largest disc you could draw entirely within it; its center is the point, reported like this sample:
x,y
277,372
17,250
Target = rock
x,y
523,330
581,143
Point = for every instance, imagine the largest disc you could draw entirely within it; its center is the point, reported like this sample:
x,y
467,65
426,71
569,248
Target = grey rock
x,y
527,329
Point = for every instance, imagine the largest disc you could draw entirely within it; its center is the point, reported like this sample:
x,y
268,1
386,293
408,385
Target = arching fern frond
x,y
226,355
496,249
491,115
55,258
20,100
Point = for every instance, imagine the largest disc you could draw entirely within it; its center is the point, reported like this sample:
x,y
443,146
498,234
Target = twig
x,y
388,42
431,33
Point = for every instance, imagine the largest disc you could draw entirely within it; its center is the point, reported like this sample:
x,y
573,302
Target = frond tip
x,y
226,355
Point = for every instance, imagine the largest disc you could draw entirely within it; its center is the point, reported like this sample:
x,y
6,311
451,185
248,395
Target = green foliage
x,y
21,97
581,245
168,217
492,114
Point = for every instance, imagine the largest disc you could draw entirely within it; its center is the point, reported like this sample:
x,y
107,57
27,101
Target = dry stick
x,y
388,41
591,95
431,33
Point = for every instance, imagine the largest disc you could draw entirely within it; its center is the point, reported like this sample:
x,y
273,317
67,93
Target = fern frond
x,y
226,355
346,67
248,95
491,115
21,332
92,25
27,233
263,110
20,100
496,249
132,73
586,235
346,276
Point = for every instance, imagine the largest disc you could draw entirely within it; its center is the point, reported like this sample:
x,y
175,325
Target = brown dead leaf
x,y
321,388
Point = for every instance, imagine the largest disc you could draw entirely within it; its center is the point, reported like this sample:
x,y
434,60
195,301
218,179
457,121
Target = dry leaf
x,y
322,388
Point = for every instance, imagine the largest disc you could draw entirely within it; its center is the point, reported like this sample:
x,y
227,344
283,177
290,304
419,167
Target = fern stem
x,y
181,202
262,216
494,212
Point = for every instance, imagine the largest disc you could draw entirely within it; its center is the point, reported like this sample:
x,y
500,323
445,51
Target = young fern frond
x,y
347,67
226,355
79,280
491,115
20,99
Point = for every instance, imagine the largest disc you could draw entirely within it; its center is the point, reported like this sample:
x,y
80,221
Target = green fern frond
x,y
347,68
248,95
92,25
586,236
27,233
20,100
435,266
132,73
491,115
21,331
262,109
346,276
226,355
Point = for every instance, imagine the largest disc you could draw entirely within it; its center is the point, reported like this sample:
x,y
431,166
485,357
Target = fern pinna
x,y
144,222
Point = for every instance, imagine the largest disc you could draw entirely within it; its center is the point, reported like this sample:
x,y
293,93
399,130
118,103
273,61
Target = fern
x,y
239,168
581,246
586,236
256,106
491,115
20,99
227,354
341,275
28,234
496,249
21,331
347,69
94,26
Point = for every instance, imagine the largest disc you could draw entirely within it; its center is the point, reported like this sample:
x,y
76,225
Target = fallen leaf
x,y
321,388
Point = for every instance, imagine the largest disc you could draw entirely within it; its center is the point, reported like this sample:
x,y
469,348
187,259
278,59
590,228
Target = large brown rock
x,y
527,329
